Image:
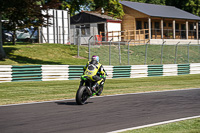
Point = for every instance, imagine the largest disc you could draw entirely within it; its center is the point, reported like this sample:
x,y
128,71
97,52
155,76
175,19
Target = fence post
x,y
188,51
89,48
110,52
119,53
162,52
128,51
79,43
176,52
146,53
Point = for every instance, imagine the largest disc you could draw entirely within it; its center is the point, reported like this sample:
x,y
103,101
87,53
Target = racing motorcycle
x,y
85,91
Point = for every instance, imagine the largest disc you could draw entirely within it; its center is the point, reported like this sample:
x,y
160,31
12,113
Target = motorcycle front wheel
x,y
81,95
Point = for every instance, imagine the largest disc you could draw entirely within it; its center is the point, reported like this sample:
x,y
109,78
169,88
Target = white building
x,y
87,24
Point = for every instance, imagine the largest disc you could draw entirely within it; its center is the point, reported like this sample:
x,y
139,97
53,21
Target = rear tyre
x,y
81,95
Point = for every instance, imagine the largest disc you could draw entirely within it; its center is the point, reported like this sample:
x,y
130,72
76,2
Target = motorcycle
x,y
85,91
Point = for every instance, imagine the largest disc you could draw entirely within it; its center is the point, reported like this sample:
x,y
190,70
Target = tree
x,y
23,14
112,7
193,6
2,52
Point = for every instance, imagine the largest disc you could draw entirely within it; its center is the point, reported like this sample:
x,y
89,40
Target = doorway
x,y
101,28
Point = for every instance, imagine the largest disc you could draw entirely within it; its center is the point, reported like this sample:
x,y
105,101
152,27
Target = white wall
x,y
114,27
58,31
74,39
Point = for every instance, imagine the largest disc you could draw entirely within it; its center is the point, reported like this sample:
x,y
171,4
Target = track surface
x,y
102,114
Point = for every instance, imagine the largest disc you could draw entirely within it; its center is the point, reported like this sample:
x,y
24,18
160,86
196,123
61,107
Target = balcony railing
x,y
168,34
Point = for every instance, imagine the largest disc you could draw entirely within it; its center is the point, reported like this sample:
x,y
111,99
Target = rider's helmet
x,y
95,59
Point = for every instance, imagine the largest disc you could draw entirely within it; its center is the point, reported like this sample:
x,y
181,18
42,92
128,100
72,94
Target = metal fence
x,y
131,53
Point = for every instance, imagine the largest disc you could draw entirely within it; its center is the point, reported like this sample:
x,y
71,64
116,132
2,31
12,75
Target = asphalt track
x,y
99,115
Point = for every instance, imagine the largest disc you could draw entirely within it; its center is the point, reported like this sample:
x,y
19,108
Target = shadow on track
x,y
70,103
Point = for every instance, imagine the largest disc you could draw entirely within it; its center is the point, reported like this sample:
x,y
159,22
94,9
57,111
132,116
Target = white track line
x,y
100,97
154,124
149,92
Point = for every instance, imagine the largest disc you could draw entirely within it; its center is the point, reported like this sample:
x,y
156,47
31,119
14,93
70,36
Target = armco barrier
x,y
138,71
55,72
10,73
155,70
170,70
5,73
121,71
75,72
183,69
27,73
195,68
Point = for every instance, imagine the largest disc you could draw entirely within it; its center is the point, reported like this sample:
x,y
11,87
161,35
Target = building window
x,y
157,25
164,24
169,24
191,27
85,30
177,26
146,25
138,25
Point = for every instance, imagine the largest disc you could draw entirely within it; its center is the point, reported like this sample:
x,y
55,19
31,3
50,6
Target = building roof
x,y
160,10
92,17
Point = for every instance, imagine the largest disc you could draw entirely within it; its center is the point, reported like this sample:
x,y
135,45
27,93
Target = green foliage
x,y
112,7
24,13
193,6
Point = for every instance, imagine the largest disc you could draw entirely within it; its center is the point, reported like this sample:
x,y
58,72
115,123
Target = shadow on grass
x,y
26,60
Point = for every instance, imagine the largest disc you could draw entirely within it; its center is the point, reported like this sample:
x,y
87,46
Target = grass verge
x,y
23,92
187,126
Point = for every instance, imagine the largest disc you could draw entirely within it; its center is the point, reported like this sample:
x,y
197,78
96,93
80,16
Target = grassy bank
x,y
34,54
22,92
31,54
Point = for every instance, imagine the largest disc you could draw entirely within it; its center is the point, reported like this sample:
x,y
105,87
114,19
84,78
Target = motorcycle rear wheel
x,y
81,95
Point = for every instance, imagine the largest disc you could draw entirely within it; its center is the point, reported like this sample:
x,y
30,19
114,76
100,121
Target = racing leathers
x,y
93,71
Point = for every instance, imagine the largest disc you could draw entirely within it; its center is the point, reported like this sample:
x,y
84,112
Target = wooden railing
x,y
127,35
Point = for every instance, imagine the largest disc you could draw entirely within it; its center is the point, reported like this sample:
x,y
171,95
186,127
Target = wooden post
x,y
1,34
139,36
161,28
186,29
197,30
149,20
112,36
174,29
118,35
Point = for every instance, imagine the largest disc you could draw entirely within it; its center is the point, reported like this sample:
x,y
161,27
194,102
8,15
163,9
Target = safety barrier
x,y
5,73
55,72
121,71
27,73
10,73
183,69
138,71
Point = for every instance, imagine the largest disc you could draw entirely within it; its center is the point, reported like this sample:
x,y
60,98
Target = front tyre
x,y
81,95
100,91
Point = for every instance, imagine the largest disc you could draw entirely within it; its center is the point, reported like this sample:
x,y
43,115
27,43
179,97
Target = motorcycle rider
x,y
93,70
